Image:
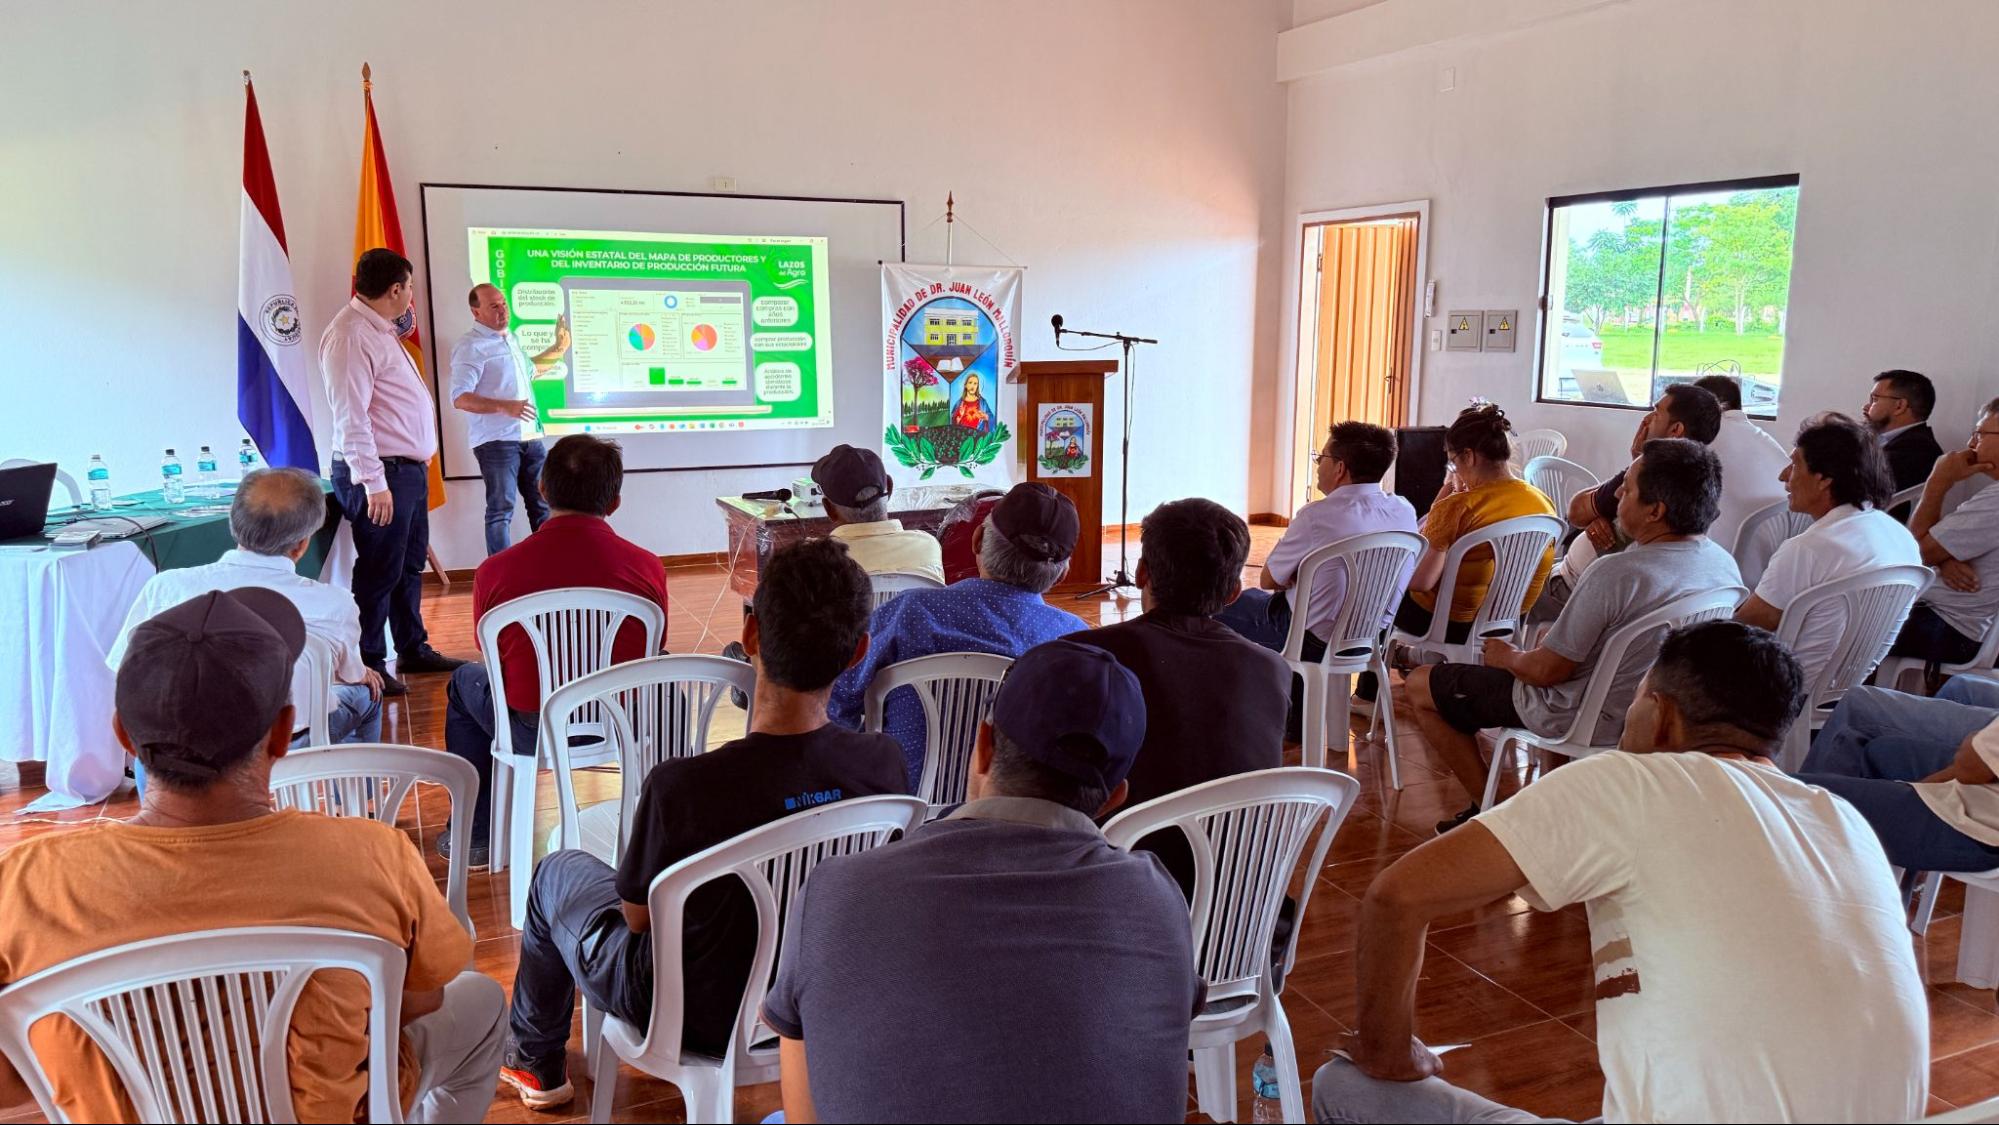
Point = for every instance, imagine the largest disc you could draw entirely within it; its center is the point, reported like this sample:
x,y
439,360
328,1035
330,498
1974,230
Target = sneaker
x,y
424,658
1444,826
390,685
479,860
541,1085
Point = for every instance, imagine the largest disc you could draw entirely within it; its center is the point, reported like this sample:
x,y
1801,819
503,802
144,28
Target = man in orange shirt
x,y
203,699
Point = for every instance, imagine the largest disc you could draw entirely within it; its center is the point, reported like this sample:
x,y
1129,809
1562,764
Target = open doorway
x,y
1360,288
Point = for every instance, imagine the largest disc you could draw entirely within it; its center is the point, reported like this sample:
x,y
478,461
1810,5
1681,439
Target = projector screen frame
x,y
441,378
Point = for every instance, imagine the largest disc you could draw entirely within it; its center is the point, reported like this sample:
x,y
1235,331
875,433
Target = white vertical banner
x,y
948,349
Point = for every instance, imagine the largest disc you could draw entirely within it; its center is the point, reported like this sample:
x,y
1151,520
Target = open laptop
x,y
24,499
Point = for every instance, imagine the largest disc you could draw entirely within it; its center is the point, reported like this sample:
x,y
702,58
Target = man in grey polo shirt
x,y
1005,963
491,381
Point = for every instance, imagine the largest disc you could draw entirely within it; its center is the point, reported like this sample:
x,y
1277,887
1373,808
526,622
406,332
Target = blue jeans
x,y
512,469
1844,745
389,559
1264,616
1915,838
468,734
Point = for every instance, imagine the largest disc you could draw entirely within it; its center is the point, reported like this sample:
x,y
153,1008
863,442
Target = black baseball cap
x,y
852,477
1039,520
202,683
1073,708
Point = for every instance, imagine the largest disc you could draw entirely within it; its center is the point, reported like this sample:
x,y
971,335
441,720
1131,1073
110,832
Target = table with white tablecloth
x,y
59,613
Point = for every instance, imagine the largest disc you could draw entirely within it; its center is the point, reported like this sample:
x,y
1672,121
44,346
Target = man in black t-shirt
x,y
588,925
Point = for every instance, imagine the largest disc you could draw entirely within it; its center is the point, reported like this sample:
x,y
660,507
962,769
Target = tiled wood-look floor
x,y
1511,983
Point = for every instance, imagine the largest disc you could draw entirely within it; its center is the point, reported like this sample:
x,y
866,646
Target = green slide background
x,y
511,260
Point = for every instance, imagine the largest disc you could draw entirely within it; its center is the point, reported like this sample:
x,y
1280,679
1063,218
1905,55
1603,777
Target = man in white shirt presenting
x,y
274,517
492,382
1751,460
1838,477
1751,959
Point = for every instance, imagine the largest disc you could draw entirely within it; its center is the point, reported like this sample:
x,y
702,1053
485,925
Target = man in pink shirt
x,y
384,435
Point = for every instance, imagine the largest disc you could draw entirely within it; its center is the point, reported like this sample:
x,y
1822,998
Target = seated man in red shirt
x,y
575,546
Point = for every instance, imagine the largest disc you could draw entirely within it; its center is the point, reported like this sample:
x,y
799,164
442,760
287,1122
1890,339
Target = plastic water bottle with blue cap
x,y
205,475
173,489
1269,1105
99,476
247,460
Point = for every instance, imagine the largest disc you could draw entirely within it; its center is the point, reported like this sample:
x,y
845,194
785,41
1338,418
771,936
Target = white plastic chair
x,y
375,779
1248,833
1978,1113
1908,496
648,711
1580,740
1982,663
1559,480
890,583
1978,935
312,689
957,691
1518,545
63,480
1761,533
1540,443
773,863
196,1025
1872,604
572,631
1377,569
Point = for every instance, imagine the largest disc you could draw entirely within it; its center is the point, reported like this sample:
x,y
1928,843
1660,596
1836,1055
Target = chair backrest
x,y
1644,634
1873,605
375,779
648,710
889,583
1540,443
1248,833
64,480
956,690
1907,497
1560,480
1377,570
312,688
1976,1113
195,1026
1518,545
573,631
773,863
1762,532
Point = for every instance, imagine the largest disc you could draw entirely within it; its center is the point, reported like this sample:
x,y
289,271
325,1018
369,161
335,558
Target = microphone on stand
x,y
1056,322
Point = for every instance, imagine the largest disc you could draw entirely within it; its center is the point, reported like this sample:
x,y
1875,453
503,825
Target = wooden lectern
x,y
1070,382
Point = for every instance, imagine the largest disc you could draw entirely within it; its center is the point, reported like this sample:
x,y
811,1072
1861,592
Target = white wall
x,y
1885,111
1129,153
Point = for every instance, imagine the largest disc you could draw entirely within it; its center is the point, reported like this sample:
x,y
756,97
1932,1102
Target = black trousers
x,y
389,558
576,937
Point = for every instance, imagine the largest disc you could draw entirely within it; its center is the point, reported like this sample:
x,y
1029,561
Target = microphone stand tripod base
x,y
1118,583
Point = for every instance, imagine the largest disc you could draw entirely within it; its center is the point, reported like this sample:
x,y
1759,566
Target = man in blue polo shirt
x,y
1005,963
1023,552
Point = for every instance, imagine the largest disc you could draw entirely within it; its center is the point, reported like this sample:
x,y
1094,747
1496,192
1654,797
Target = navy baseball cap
x,y
202,682
1064,689
851,477
1039,520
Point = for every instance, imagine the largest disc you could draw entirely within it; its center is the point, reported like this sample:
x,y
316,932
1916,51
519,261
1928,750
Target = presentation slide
x,y
668,332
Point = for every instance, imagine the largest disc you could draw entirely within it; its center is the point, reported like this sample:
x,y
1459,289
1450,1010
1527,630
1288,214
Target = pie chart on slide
x,y
641,337
702,337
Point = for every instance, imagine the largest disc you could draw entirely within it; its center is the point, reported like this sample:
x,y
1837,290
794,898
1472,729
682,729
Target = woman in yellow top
x,y
1479,491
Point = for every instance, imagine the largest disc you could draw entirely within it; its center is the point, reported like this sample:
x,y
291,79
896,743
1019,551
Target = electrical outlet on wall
x,y
722,183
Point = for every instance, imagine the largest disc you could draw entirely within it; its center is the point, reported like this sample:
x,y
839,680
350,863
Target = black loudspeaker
x,y
1419,465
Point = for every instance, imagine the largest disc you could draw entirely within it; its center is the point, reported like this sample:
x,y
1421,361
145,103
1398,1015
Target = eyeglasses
x,y
1318,457
1873,398
1985,433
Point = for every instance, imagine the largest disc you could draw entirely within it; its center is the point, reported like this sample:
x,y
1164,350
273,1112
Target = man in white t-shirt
x,y
274,517
1751,958
1949,624
1751,461
1838,477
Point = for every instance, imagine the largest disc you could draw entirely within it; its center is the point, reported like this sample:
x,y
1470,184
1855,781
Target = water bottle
x,y
204,467
171,488
99,476
1269,1105
247,461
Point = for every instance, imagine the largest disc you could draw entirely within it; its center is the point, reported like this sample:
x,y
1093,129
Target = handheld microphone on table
x,y
1056,323
781,495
